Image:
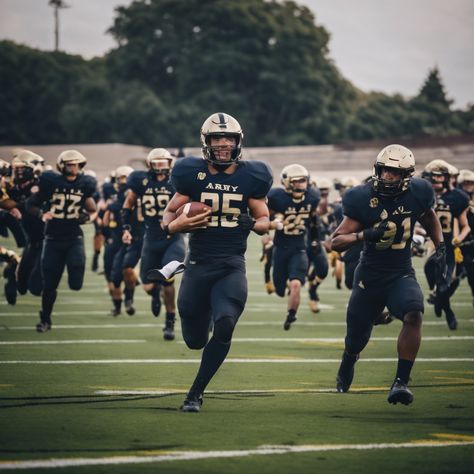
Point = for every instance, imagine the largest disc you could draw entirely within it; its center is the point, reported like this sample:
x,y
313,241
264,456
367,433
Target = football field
x,y
101,394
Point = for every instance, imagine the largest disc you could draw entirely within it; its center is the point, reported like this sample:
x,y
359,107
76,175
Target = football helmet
x,y
34,160
437,172
397,157
221,125
70,157
159,161
121,175
466,176
290,174
91,173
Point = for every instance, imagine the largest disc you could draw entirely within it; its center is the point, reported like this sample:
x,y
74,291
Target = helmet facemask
x,y
391,188
211,152
160,166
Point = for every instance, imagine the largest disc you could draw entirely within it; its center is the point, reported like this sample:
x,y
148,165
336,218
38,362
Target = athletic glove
x,y
375,234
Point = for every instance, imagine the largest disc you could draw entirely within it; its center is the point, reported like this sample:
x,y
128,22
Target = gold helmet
x,y
123,172
292,173
160,161
466,176
349,182
396,157
70,157
221,125
323,183
436,169
28,159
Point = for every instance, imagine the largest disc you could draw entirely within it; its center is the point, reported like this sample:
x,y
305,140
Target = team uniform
x,y
158,248
214,284
290,258
63,244
384,276
468,248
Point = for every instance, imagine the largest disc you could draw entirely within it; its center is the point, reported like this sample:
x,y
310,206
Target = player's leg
x,y
35,281
116,278
228,297
297,268
174,252
130,277
53,261
319,273
76,263
405,302
280,270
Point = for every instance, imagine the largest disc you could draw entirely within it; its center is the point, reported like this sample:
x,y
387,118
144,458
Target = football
x,y
192,209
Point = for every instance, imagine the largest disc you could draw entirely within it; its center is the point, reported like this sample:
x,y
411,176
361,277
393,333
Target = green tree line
x,y
178,61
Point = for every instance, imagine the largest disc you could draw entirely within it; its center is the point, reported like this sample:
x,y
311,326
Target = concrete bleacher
x,y
321,160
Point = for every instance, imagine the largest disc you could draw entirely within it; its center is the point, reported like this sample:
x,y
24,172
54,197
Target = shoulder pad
x,y
48,179
89,184
263,176
108,190
354,199
135,180
185,170
423,192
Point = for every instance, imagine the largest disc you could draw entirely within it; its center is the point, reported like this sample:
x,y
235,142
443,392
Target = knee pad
x,y
223,330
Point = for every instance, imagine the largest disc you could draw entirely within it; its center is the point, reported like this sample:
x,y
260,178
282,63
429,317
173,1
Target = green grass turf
x,y
55,411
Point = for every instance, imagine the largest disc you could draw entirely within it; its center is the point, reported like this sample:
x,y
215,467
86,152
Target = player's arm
x,y
183,223
126,216
34,206
259,211
430,222
347,234
464,228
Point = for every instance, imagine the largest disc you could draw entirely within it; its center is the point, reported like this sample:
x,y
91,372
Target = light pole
x,y
57,4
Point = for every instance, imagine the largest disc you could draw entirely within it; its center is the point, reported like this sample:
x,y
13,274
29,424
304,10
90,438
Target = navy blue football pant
x,y
372,292
127,257
210,291
58,254
29,270
319,262
288,264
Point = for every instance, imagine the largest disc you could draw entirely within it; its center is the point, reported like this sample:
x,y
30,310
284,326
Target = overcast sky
x,y
383,45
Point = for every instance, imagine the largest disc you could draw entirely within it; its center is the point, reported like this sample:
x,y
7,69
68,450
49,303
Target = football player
x,y
114,249
466,184
382,214
152,190
214,285
67,196
451,208
292,207
26,168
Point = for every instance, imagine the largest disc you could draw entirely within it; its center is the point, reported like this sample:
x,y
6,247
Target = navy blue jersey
x,y
449,206
32,225
108,190
65,200
393,251
295,214
153,196
227,195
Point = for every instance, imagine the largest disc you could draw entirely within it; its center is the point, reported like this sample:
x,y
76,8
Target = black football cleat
x,y
399,393
129,309
168,330
115,312
290,319
383,319
167,272
44,325
156,303
191,404
344,379
95,262
451,320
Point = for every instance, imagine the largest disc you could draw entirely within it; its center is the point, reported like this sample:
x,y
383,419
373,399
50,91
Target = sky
x,y
379,45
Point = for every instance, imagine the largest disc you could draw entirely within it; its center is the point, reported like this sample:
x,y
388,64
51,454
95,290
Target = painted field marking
x,y
341,339
199,455
78,341
228,361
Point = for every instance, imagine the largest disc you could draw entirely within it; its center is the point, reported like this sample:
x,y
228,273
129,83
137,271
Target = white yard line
x,y
228,361
199,455
78,341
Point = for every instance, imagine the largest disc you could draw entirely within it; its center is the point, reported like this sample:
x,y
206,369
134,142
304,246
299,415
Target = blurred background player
x,y
68,198
152,191
293,206
451,208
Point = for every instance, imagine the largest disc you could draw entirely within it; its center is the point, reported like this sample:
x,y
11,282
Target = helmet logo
x,y
201,176
374,202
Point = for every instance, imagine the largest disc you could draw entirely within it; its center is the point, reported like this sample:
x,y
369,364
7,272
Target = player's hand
x,y
375,234
126,237
183,223
276,224
246,222
16,213
47,216
455,242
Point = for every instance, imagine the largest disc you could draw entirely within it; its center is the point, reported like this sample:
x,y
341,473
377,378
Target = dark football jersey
x,y
32,225
393,251
227,195
449,206
108,190
295,215
154,196
65,200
